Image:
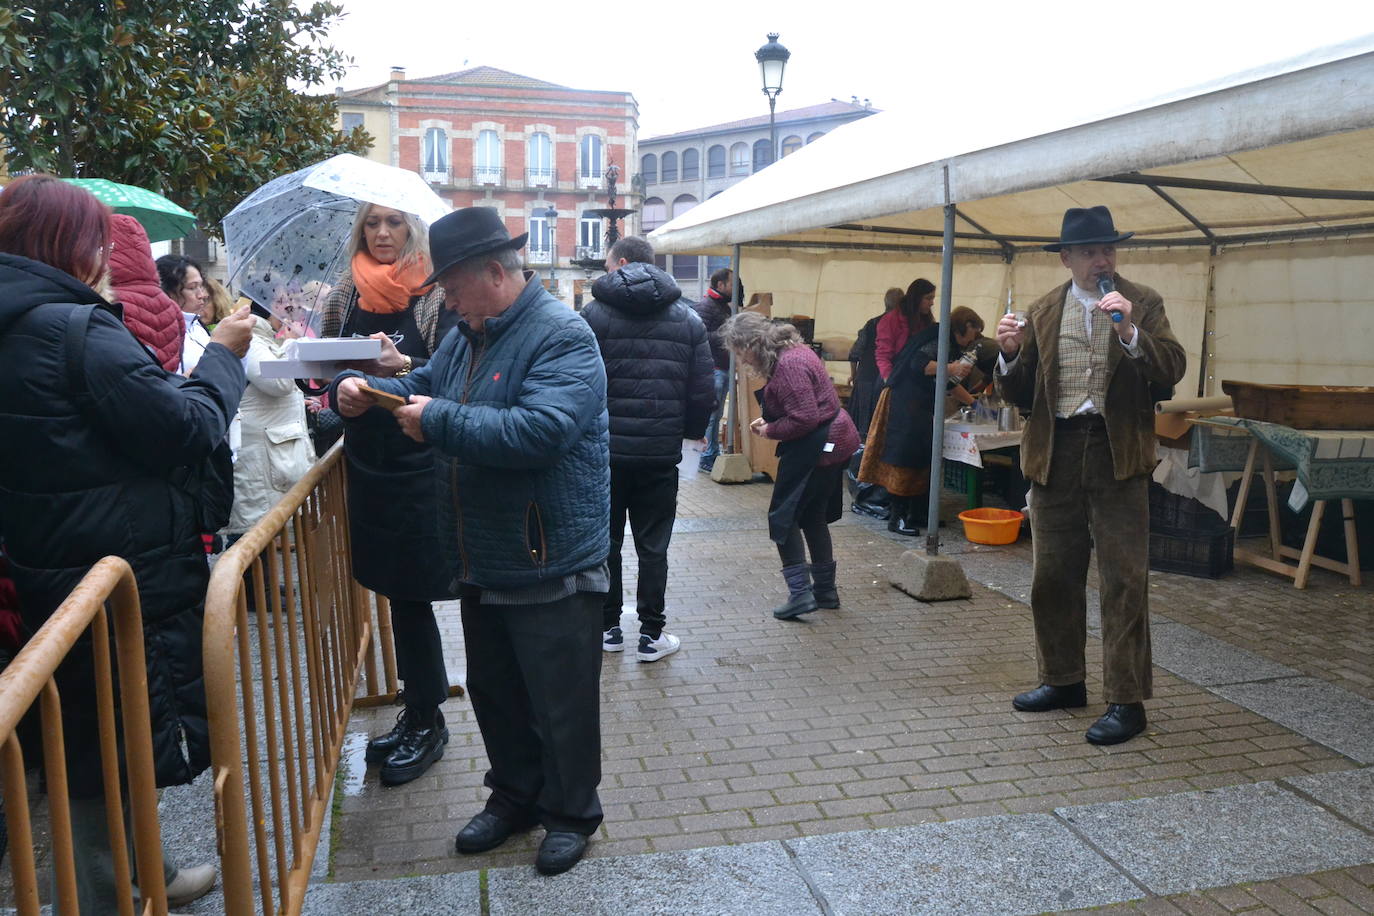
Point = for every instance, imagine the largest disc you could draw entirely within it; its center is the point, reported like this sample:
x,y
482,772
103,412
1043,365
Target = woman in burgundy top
x,y
815,438
895,328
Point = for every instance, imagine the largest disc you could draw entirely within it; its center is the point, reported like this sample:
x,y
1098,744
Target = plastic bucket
x,y
991,526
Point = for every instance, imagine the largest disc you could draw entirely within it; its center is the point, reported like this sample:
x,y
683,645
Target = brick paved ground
x,y
885,712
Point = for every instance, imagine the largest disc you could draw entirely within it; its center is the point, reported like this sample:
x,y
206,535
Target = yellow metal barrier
x,y
288,635
30,677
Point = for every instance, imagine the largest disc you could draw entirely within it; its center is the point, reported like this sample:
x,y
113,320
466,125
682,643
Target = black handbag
x,y
210,484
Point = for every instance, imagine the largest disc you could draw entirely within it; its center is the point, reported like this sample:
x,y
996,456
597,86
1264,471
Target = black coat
x,y
867,384
392,510
78,483
714,313
911,403
660,380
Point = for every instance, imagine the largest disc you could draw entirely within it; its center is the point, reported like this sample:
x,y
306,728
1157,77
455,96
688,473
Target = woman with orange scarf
x,y
391,505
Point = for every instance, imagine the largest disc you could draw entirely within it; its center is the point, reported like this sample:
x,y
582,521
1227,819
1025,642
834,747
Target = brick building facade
x,y
487,137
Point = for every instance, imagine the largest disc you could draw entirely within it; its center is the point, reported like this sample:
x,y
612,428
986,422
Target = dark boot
x,y
898,519
380,747
800,599
421,744
823,585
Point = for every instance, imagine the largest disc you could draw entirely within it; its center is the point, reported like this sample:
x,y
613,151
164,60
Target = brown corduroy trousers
x,y
1084,500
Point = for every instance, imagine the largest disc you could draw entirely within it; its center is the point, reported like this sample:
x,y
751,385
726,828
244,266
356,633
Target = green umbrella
x,y
160,218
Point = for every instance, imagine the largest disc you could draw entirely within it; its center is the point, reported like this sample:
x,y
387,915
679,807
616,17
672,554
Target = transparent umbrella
x,y
285,242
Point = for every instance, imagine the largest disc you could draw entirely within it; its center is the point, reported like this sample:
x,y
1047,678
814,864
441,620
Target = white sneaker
x,y
190,884
651,650
613,640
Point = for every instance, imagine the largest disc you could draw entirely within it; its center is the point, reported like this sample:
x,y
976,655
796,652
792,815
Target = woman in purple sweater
x,y
815,438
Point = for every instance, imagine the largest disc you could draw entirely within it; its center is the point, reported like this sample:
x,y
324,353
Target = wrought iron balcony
x,y
538,255
541,178
590,252
488,175
435,176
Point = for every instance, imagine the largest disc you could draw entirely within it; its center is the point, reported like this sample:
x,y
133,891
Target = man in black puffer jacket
x,y
659,391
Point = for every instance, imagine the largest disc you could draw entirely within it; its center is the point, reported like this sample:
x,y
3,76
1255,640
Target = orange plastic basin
x,y
991,526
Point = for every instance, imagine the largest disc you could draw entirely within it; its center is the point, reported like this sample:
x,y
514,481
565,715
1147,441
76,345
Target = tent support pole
x,y
937,439
731,420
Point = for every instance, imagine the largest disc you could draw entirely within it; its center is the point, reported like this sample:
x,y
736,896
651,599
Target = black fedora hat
x,y
466,233
1087,226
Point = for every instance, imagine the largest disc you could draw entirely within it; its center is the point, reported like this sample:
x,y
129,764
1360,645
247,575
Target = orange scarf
x,y
387,288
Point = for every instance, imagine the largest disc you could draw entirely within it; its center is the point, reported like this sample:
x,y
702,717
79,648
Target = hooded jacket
x,y
84,477
660,382
148,311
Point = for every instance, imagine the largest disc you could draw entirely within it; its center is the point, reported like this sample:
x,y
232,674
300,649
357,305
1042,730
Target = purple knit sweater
x,y
801,395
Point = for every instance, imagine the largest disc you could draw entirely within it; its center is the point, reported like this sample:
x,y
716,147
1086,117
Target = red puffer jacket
x,y
148,312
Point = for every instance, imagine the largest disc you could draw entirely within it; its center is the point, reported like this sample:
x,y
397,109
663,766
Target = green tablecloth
x,y
1330,463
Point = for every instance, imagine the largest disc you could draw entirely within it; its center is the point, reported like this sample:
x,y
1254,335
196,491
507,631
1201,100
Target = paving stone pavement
x,y
860,734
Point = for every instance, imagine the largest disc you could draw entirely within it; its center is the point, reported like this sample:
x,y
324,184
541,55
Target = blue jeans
x,y
713,425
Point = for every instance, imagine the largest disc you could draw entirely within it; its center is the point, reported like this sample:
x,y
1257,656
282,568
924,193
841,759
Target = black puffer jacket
x,y
80,482
660,388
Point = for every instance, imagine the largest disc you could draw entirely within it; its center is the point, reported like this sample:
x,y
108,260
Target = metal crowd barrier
x,y
288,635
29,678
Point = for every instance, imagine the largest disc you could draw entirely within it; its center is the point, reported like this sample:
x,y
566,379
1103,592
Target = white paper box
x,y
333,349
299,368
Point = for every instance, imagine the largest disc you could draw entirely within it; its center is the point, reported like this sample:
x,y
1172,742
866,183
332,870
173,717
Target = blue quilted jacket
x,y
520,432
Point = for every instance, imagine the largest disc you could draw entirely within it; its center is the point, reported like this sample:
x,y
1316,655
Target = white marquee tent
x,y
1252,200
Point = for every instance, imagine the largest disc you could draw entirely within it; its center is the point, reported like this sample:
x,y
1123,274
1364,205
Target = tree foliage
x,y
190,98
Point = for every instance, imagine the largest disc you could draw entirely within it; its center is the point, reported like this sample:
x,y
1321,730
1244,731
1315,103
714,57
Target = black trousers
x,y
534,673
812,522
419,653
649,497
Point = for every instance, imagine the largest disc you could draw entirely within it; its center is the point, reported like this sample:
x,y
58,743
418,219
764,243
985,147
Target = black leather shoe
x,y
559,852
1121,722
1047,697
901,525
487,831
380,747
419,747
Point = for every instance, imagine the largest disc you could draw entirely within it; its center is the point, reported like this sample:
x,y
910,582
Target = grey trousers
x,y
1082,499
95,881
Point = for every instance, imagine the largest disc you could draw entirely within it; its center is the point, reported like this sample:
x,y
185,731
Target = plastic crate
x,y
1206,553
1171,512
954,475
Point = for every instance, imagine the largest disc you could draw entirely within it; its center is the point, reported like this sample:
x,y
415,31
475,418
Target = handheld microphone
x,y
1105,286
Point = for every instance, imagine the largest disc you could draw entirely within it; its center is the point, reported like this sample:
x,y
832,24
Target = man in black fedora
x,y
515,406
1085,375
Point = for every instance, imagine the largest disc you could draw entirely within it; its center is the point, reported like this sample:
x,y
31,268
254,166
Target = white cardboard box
x,y
321,358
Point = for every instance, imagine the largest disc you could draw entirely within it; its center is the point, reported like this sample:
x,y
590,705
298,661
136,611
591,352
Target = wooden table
x,y
1304,450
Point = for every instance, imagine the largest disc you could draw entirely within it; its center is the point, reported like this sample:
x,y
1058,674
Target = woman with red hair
x,y
94,440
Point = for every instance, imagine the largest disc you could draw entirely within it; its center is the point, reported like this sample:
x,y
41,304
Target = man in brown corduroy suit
x,y
1088,449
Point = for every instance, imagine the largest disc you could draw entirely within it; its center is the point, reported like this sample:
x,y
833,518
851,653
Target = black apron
x,y
796,460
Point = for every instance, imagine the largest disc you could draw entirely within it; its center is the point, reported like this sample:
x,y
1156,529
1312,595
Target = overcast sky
x,y
690,63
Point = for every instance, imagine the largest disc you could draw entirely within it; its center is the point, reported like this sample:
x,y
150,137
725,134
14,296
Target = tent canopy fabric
x,y
1277,152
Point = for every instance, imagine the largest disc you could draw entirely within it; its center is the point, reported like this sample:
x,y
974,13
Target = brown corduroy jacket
x,y
1129,412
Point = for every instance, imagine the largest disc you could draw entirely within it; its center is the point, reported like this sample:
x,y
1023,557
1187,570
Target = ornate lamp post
x,y
552,216
772,59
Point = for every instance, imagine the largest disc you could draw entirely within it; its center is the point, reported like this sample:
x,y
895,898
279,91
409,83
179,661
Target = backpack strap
x,y
78,323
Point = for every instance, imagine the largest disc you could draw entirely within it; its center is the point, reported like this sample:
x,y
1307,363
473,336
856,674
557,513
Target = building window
x,y
539,161
791,145
540,246
661,262
589,153
715,262
435,157
739,159
686,267
683,203
763,154
670,166
653,214
715,162
488,159
648,167
691,165
816,136
352,120
589,237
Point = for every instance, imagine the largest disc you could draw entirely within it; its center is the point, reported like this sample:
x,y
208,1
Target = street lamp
x,y
552,216
772,59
